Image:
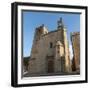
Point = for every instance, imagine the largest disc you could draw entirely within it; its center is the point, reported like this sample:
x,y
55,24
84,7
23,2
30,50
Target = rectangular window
x,y
51,44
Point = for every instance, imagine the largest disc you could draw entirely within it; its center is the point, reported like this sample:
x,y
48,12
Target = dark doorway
x,y
50,66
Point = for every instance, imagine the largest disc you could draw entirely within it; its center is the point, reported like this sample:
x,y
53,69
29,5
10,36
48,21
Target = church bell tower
x,y
60,24
62,48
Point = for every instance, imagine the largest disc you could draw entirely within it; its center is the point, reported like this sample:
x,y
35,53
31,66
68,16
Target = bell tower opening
x,y
60,24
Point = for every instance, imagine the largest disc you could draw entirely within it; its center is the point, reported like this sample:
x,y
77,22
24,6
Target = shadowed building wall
x,y
75,38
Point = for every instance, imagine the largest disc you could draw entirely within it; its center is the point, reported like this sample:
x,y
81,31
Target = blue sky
x,y
31,20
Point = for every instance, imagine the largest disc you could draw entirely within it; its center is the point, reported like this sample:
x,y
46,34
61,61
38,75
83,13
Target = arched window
x,y
58,52
51,44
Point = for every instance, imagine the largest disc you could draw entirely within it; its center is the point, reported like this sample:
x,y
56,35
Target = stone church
x,y
50,51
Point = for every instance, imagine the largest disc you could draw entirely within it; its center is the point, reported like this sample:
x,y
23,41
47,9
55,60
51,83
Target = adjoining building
x,y
75,38
50,51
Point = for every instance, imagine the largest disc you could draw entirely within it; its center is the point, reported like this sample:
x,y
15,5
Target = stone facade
x,y
50,51
75,38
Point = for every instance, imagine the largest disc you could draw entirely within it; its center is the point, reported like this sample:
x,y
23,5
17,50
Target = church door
x,y
50,66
